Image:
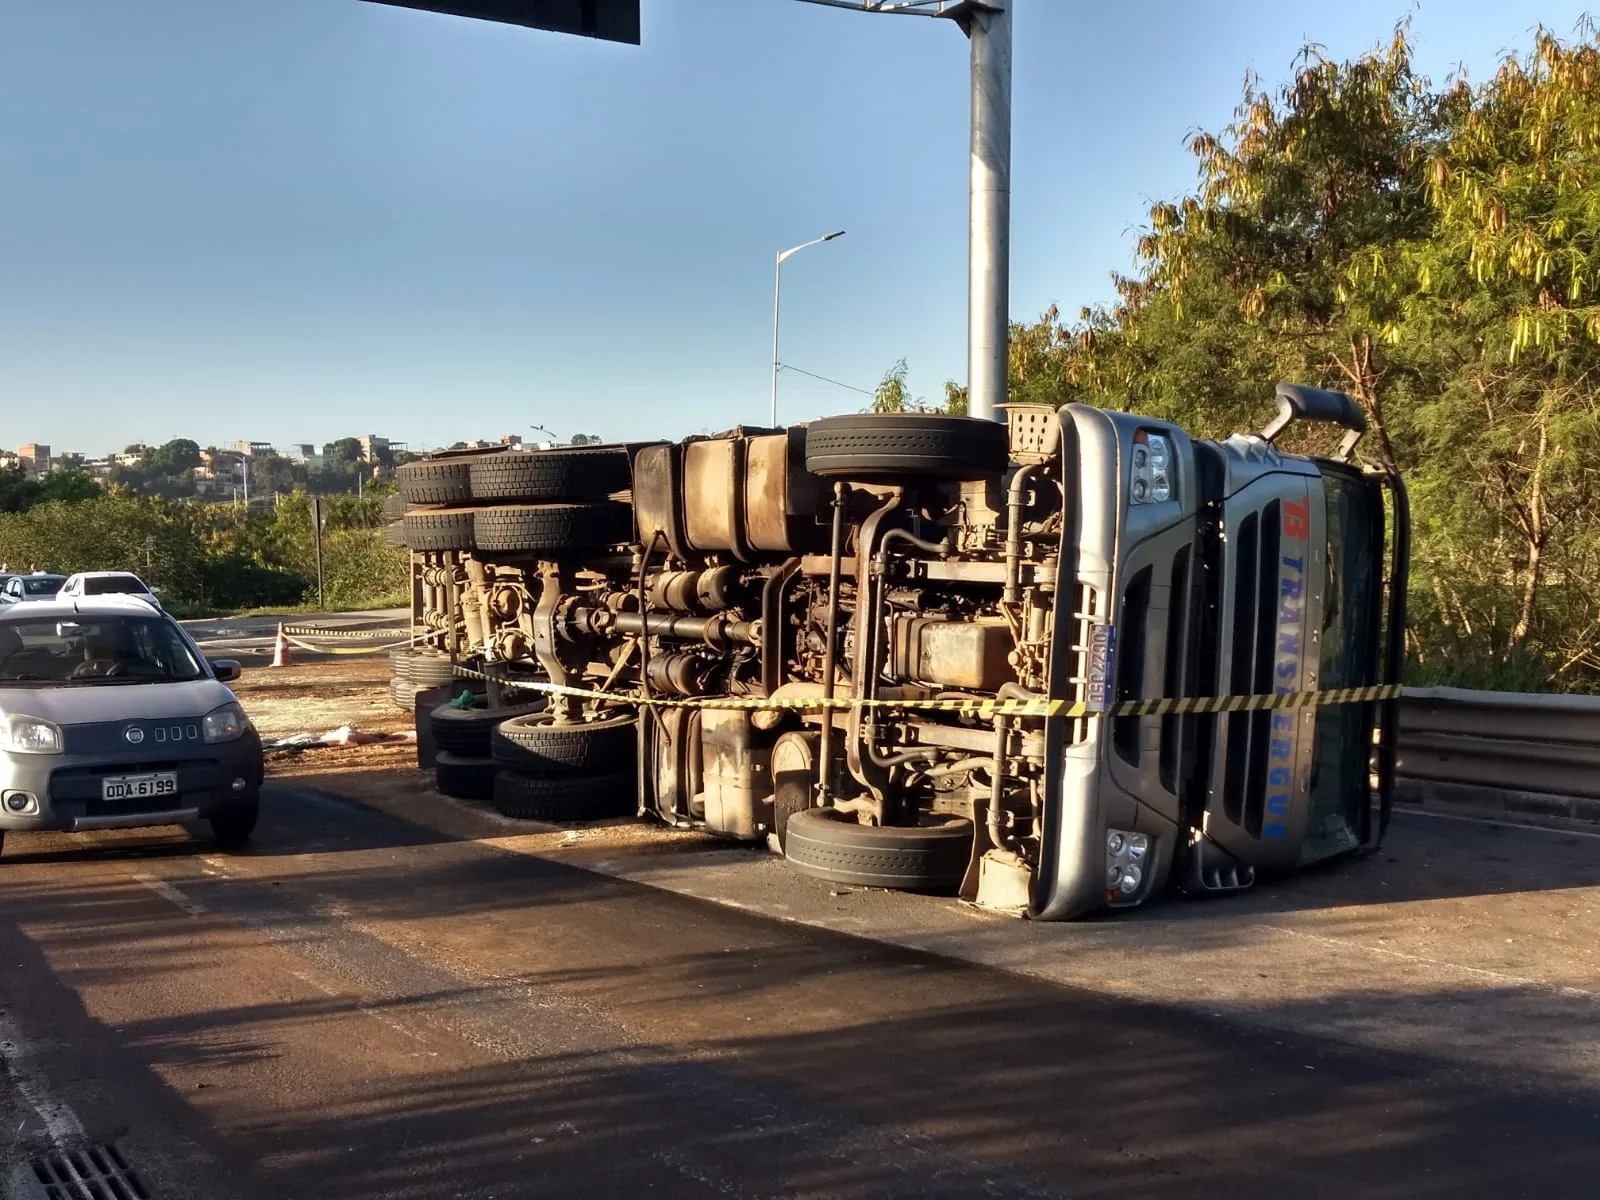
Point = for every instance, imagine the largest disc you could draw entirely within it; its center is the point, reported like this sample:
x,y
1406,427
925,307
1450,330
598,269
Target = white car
x,y
107,583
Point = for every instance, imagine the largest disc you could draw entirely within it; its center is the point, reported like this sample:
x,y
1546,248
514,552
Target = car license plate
x,y
138,787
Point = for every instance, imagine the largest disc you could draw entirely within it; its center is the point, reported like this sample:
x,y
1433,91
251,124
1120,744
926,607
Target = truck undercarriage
x,y
907,650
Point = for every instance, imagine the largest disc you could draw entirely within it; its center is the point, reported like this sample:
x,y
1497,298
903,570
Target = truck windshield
x,y
1351,627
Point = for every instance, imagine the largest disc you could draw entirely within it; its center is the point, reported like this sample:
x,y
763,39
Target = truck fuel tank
x,y
971,655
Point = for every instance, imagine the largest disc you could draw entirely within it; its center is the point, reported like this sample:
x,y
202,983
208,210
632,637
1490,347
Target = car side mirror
x,y
225,669
1298,403
155,591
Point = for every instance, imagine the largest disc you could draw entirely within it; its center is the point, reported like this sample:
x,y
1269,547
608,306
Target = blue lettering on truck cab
x,y
1291,613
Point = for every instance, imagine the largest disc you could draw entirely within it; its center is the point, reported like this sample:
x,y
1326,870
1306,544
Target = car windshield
x,y
107,585
47,586
95,650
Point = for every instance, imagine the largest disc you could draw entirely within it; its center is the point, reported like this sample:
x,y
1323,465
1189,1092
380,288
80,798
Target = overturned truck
x,y
1056,665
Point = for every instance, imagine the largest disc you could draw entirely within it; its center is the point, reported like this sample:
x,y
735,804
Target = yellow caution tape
x,y
317,632
1042,707
311,649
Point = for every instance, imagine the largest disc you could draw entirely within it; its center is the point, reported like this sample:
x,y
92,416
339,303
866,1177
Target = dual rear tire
x,y
565,772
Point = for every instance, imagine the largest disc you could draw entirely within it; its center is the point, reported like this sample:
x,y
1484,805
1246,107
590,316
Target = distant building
x,y
8,460
373,447
253,449
308,455
33,458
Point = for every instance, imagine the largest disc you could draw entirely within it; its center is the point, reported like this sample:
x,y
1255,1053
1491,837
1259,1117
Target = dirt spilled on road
x,y
318,697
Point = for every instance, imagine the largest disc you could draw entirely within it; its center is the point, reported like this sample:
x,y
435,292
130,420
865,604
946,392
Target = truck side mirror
x,y
1299,403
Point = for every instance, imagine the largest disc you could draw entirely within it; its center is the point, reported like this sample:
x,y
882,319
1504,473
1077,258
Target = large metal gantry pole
x,y
987,24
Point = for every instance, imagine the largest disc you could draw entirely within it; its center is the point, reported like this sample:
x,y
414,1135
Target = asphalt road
x,y
371,1006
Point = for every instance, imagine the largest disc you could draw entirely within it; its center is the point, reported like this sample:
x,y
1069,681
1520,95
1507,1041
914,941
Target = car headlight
x,y
1151,480
224,724
29,735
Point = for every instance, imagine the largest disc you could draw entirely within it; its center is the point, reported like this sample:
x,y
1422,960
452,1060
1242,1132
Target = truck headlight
x,y
1150,481
1125,865
224,724
29,735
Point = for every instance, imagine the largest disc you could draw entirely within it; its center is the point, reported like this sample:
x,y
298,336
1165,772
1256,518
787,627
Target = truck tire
x,y
463,776
394,506
437,481
567,797
451,529
566,474
403,694
425,668
552,528
932,857
794,778
532,745
893,446
466,731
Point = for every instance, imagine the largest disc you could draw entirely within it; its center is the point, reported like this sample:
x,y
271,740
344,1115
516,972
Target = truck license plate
x,y
138,787
1102,657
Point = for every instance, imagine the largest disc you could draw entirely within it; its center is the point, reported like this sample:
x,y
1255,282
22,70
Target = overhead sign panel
x,y
608,20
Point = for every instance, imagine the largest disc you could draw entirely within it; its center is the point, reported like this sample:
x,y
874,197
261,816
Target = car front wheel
x,y
232,829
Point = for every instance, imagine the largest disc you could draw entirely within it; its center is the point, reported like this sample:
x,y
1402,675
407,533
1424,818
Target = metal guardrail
x,y
1513,742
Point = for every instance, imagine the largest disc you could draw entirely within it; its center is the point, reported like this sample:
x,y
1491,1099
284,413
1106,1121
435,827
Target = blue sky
x,y
292,220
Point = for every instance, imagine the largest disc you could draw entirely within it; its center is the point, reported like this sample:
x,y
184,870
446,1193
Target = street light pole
x,y
777,293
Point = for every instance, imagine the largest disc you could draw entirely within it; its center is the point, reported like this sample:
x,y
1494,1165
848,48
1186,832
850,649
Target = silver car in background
x,y
112,718
36,588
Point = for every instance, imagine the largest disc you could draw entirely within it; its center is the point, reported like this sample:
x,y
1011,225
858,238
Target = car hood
x,y
91,704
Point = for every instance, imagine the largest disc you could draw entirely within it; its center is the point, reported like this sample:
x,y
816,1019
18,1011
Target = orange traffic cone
x,y
280,652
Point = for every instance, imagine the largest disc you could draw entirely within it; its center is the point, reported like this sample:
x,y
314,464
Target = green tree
x,y
892,395
1506,296
343,452
69,486
17,492
173,458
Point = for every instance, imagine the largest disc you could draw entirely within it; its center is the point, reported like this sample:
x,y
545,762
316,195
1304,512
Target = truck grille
x,y
1179,678
1088,609
1255,545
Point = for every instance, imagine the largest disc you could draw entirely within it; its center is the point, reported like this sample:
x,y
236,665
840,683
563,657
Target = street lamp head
x,y
831,236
